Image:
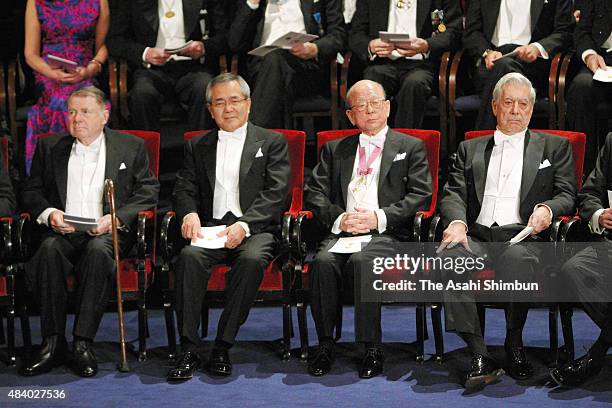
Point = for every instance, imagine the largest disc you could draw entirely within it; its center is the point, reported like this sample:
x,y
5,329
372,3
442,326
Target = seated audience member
x,y
359,187
143,32
72,30
498,185
593,42
534,30
280,75
589,271
407,70
236,176
67,177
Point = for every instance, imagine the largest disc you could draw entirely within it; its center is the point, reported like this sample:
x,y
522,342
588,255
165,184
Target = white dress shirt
x,y
348,10
85,184
171,31
367,194
226,196
403,21
607,45
514,25
594,225
281,17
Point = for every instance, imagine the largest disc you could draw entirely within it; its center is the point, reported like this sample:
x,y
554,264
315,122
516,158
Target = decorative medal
x,y
441,27
170,14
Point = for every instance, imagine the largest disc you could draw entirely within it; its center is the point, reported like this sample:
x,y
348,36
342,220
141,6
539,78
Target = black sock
x,y
222,345
514,338
370,345
599,349
475,343
188,345
79,338
327,342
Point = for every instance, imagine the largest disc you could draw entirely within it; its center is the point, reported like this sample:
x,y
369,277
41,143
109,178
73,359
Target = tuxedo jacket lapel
x,y
191,15
422,14
390,150
149,10
480,166
61,153
113,156
381,19
536,9
491,14
208,154
534,150
252,144
347,161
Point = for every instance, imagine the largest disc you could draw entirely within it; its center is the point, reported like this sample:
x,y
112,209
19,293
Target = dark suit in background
x,y
263,186
279,76
410,81
554,186
7,194
134,26
585,94
92,258
404,187
551,23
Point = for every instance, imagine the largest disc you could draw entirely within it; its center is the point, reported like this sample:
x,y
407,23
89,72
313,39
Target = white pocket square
x,y
259,153
544,164
400,156
122,166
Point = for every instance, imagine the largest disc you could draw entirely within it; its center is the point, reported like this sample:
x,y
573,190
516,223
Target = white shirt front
x,y
514,25
367,194
226,196
348,10
501,200
171,32
403,21
85,183
281,17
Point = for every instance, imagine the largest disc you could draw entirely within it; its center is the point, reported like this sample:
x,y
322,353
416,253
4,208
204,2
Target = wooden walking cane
x,y
110,195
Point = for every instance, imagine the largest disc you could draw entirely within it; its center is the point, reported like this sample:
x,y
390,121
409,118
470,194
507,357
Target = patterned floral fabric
x,y
68,30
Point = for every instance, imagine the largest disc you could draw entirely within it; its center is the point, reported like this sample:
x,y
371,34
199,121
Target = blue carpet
x,y
260,379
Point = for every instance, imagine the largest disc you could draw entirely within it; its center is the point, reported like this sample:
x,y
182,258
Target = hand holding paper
x,y
208,238
350,245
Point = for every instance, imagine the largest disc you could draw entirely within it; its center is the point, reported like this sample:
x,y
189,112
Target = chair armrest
x,y
421,218
344,76
165,244
552,90
23,235
11,82
123,89
435,229
298,244
7,238
144,218
113,87
563,73
443,73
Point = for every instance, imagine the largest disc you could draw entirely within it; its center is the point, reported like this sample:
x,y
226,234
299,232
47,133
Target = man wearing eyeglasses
x,y
372,182
236,176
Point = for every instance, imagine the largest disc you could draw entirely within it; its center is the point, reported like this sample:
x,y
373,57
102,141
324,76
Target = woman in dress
x,y
71,29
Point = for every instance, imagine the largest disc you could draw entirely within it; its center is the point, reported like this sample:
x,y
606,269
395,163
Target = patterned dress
x,y
68,30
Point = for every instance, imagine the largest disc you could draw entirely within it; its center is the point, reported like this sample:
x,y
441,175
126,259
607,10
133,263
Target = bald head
x,y
369,108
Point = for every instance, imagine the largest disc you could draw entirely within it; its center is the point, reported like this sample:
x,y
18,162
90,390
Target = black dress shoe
x,y
372,363
483,371
322,361
51,354
185,367
219,363
83,360
576,372
519,367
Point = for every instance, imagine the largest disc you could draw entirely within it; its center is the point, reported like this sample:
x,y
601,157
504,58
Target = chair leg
x,y
2,335
10,318
142,329
482,318
568,331
338,322
287,332
436,321
303,327
420,329
553,333
170,331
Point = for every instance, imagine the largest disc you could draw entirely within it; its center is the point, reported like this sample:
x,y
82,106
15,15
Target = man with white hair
x,y
498,185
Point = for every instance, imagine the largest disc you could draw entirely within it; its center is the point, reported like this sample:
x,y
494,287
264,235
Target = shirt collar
x,y
377,140
93,147
238,134
516,139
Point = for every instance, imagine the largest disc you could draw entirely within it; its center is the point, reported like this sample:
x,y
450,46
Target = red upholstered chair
x,y
276,283
136,269
8,281
431,139
577,141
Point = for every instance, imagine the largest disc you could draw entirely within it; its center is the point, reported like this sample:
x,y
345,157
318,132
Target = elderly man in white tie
x,y
372,182
498,185
67,179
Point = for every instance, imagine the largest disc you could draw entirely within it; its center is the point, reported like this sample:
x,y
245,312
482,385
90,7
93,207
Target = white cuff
x,y
543,52
251,5
460,222
245,226
336,227
547,207
587,53
43,218
382,220
594,223
144,60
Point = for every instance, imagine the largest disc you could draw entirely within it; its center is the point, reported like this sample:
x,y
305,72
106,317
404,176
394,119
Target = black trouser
x,y
184,81
588,273
193,267
327,274
92,260
410,82
583,97
485,81
276,79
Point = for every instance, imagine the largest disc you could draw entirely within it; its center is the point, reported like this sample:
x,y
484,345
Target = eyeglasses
x,y
222,103
375,105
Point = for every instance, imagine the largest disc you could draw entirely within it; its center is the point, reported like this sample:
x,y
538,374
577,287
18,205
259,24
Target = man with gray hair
x,y
67,178
236,176
498,185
